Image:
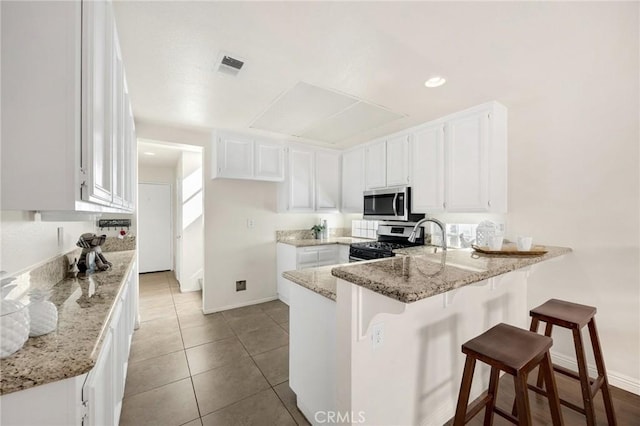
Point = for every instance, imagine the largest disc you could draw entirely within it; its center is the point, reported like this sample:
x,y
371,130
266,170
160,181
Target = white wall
x,y
26,243
574,178
191,221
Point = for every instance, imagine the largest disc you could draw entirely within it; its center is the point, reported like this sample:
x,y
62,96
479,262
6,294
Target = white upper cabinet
x,y
301,180
238,156
427,190
313,181
375,165
269,161
327,185
387,163
460,162
234,157
476,160
398,151
62,133
352,180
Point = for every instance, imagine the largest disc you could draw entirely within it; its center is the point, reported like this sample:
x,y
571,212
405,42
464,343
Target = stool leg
x,y
465,390
547,332
552,391
522,399
493,392
583,372
597,352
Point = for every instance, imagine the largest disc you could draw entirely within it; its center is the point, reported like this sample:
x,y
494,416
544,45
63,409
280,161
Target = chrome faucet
x,y
414,233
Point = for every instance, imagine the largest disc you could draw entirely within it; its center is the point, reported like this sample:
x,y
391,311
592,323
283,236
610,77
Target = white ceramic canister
x,y
43,313
14,327
485,232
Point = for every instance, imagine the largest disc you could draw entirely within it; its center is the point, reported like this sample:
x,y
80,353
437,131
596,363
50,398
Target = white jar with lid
x,y
14,325
485,232
42,313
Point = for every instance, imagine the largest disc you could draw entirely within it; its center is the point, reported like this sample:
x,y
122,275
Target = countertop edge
x,y
409,296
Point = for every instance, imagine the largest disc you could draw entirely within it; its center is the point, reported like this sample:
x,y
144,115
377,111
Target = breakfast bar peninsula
x,y
378,342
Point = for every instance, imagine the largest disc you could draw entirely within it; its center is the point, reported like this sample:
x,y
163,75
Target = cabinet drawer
x,y
307,257
328,254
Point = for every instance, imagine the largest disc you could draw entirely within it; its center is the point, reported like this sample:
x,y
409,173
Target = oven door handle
x,y
395,202
355,259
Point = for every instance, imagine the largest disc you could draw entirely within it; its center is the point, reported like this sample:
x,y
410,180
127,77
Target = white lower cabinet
x,y
92,399
290,258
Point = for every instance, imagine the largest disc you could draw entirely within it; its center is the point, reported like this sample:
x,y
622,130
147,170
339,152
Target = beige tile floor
x,y
227,368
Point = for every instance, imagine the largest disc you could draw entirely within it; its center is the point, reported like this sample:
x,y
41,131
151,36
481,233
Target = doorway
x,y
155,227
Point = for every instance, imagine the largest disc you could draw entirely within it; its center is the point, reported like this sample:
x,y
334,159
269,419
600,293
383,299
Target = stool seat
x,y
575,317
564,314
516,352
507,347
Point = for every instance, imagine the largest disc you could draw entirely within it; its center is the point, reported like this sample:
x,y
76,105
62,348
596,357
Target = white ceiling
x,y
159,154
378,52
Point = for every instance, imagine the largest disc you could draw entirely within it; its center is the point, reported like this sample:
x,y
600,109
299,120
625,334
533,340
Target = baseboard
x,y
239,305
618,380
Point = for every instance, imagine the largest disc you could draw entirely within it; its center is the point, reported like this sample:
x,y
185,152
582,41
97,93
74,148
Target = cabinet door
x,y
117,123
301,180
398,149
129,147
427,187
97,39
327,182
269,161
467,163
375,169
100,386
328,255
235,157
352,181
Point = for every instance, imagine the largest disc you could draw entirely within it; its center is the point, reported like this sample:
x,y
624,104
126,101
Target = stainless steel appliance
x,y
390,237
389,204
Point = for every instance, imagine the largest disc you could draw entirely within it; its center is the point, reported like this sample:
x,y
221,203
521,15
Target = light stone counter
x,y
322,241
84,308
318,280
417,272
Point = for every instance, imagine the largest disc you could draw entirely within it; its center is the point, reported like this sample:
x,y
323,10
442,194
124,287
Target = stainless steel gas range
x,y
390,237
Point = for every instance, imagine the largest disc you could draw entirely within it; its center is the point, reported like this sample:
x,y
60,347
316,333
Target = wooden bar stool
x,y
575,317
516,352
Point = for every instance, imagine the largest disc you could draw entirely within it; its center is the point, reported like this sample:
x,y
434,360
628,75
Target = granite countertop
x,y
84,309
320,242
417,272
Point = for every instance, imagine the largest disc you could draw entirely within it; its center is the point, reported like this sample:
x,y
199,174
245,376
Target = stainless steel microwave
x,y
389,204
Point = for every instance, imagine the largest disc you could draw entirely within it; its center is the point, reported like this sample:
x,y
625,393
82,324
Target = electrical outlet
x,y
241,285
377,335
251,223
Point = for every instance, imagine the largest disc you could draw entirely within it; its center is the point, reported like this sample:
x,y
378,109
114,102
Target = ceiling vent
x,y
229,65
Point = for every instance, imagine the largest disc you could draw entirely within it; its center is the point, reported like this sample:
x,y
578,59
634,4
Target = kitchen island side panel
x,y
413,375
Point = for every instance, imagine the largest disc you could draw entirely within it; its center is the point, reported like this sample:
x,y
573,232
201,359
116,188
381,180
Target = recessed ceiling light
x,y
435,81
151,154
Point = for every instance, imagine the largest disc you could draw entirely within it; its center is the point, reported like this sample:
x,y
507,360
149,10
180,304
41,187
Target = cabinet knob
x,y
444,205
489,203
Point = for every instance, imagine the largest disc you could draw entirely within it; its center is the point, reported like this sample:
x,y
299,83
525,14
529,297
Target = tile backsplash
x,y
364,228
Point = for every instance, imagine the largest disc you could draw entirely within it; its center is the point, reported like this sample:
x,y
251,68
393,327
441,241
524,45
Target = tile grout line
x,y
184,349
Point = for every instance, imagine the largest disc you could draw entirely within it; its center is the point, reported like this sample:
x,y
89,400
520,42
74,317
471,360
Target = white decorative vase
x,y
43,313
14,327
